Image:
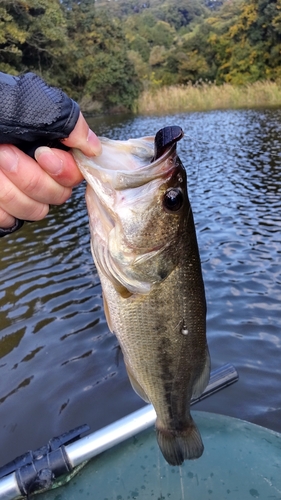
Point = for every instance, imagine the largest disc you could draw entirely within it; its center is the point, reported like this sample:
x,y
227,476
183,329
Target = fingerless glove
x,y
33,114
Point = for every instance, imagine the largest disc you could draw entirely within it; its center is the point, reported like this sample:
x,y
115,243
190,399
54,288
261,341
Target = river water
x,y
59,365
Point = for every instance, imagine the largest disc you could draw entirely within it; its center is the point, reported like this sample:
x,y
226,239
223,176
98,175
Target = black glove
x,y
32,114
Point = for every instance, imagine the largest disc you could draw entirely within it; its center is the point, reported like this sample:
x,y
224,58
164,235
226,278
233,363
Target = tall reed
x,y
205,96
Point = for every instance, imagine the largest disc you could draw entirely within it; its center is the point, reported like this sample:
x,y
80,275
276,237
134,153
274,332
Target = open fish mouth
x,y
136,161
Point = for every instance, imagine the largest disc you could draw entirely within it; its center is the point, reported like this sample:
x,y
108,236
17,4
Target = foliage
x,y
71,46
103,52
98,64
247,47
236,41
32,34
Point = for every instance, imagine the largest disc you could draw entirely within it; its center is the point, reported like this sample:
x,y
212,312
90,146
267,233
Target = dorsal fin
x,y
165,138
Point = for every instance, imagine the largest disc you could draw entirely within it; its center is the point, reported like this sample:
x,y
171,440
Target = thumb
x,y
83,138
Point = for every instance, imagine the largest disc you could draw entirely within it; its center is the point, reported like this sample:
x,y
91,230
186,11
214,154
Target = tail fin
x,y
179,445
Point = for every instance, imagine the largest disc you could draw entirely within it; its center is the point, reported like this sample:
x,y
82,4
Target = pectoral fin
x,y
107,313
122,290
135,385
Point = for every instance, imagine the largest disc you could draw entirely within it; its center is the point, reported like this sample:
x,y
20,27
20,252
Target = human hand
x,y
28,187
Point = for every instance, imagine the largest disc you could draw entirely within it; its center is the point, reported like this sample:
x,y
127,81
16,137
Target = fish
x,y
145,250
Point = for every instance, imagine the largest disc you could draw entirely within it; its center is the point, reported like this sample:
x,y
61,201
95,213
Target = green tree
x,y
182,13
11,39
32,35
99,66
252,44
71,46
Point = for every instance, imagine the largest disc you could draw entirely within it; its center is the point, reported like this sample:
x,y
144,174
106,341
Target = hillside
x,y
105,53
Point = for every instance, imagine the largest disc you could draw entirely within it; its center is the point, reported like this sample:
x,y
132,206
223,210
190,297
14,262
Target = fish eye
x,y
173,199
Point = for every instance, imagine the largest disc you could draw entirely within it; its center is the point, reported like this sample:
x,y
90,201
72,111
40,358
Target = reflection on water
x,y
59,365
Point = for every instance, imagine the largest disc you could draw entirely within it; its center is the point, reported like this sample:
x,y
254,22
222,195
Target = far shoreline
x,y
195,98
206,97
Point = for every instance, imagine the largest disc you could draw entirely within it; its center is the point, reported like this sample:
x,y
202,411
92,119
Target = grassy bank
x,y
208,96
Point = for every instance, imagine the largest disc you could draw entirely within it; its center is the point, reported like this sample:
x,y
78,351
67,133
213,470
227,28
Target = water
x,y
59,365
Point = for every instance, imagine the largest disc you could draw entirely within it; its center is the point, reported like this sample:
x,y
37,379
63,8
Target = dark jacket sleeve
x,y
33,114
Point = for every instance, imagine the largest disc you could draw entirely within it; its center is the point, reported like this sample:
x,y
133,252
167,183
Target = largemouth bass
x,y
145,249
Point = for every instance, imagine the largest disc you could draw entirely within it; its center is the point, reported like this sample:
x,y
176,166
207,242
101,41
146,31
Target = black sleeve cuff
x,y
18,224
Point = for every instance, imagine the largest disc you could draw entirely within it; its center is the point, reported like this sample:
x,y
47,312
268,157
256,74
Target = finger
x,y
60,165
83,138
29,178
19,205
6,220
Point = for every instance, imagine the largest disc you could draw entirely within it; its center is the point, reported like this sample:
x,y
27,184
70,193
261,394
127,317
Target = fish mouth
x,y
132,163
